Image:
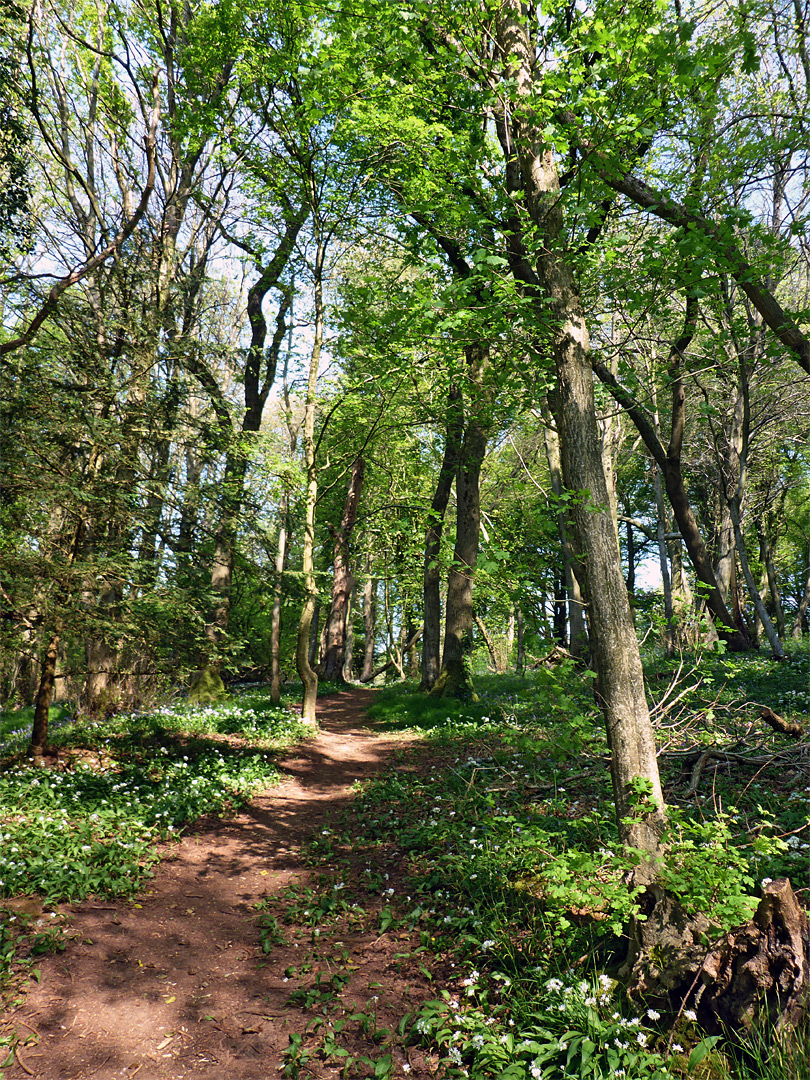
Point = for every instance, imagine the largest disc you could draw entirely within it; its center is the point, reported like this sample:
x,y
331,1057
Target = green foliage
x,y
576,1033
91,824
515,871
705,870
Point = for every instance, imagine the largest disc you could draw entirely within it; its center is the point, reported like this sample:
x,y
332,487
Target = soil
x,y
174,985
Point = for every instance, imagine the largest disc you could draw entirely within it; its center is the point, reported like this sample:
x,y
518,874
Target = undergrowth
x,y
92,819
513,877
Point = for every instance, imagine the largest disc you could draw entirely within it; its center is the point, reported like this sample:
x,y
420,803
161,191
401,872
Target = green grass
x,y
515,874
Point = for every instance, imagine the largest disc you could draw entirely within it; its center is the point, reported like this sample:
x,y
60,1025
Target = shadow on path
x,y
172,985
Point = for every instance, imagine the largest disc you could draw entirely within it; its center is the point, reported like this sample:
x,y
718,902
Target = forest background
x,y
387,339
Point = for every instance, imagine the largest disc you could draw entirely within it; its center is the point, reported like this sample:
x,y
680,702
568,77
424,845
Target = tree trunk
x,y
532,172
369,622
578,632
753,591
631,563
454,678
773,583
520,659
334,656
348,661
726,553
804,603
663,562
102,663
275,619
432,608
560,621
42,705
497,666
306,672
755,979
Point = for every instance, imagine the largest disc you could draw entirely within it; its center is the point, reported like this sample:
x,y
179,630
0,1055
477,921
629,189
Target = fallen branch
x,y
556,656
773,720
390,663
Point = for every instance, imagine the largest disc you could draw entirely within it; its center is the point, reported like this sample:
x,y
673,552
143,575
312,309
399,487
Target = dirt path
x,y
174,985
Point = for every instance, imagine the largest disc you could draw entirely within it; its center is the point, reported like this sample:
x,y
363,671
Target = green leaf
x,y
702,1049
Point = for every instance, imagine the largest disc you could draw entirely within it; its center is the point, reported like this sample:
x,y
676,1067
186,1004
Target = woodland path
x,y
172,985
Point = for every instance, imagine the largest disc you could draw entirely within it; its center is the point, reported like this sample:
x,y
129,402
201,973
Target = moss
x,y
206,687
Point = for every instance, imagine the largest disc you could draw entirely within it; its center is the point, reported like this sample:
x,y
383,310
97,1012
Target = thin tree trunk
x,y
773,583
497,667
348,662
275,620
726,553
663,562
306,672
431,589
369,622
560,620
578,632
520,659
334,656
753,591
392,661
631,563
804,603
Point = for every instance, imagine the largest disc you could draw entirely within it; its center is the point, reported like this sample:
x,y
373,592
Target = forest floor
x,y
189,980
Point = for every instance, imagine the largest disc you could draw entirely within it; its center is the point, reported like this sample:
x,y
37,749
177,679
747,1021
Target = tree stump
x,y
756,977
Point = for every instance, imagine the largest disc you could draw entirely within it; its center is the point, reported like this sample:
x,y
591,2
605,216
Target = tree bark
x,y
663,562
769,543
520,658
334,656
306,672
348,660
497,666
369,622
753,591
42,705
275,619
431,588
804,603
532,172
578,631
454,678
